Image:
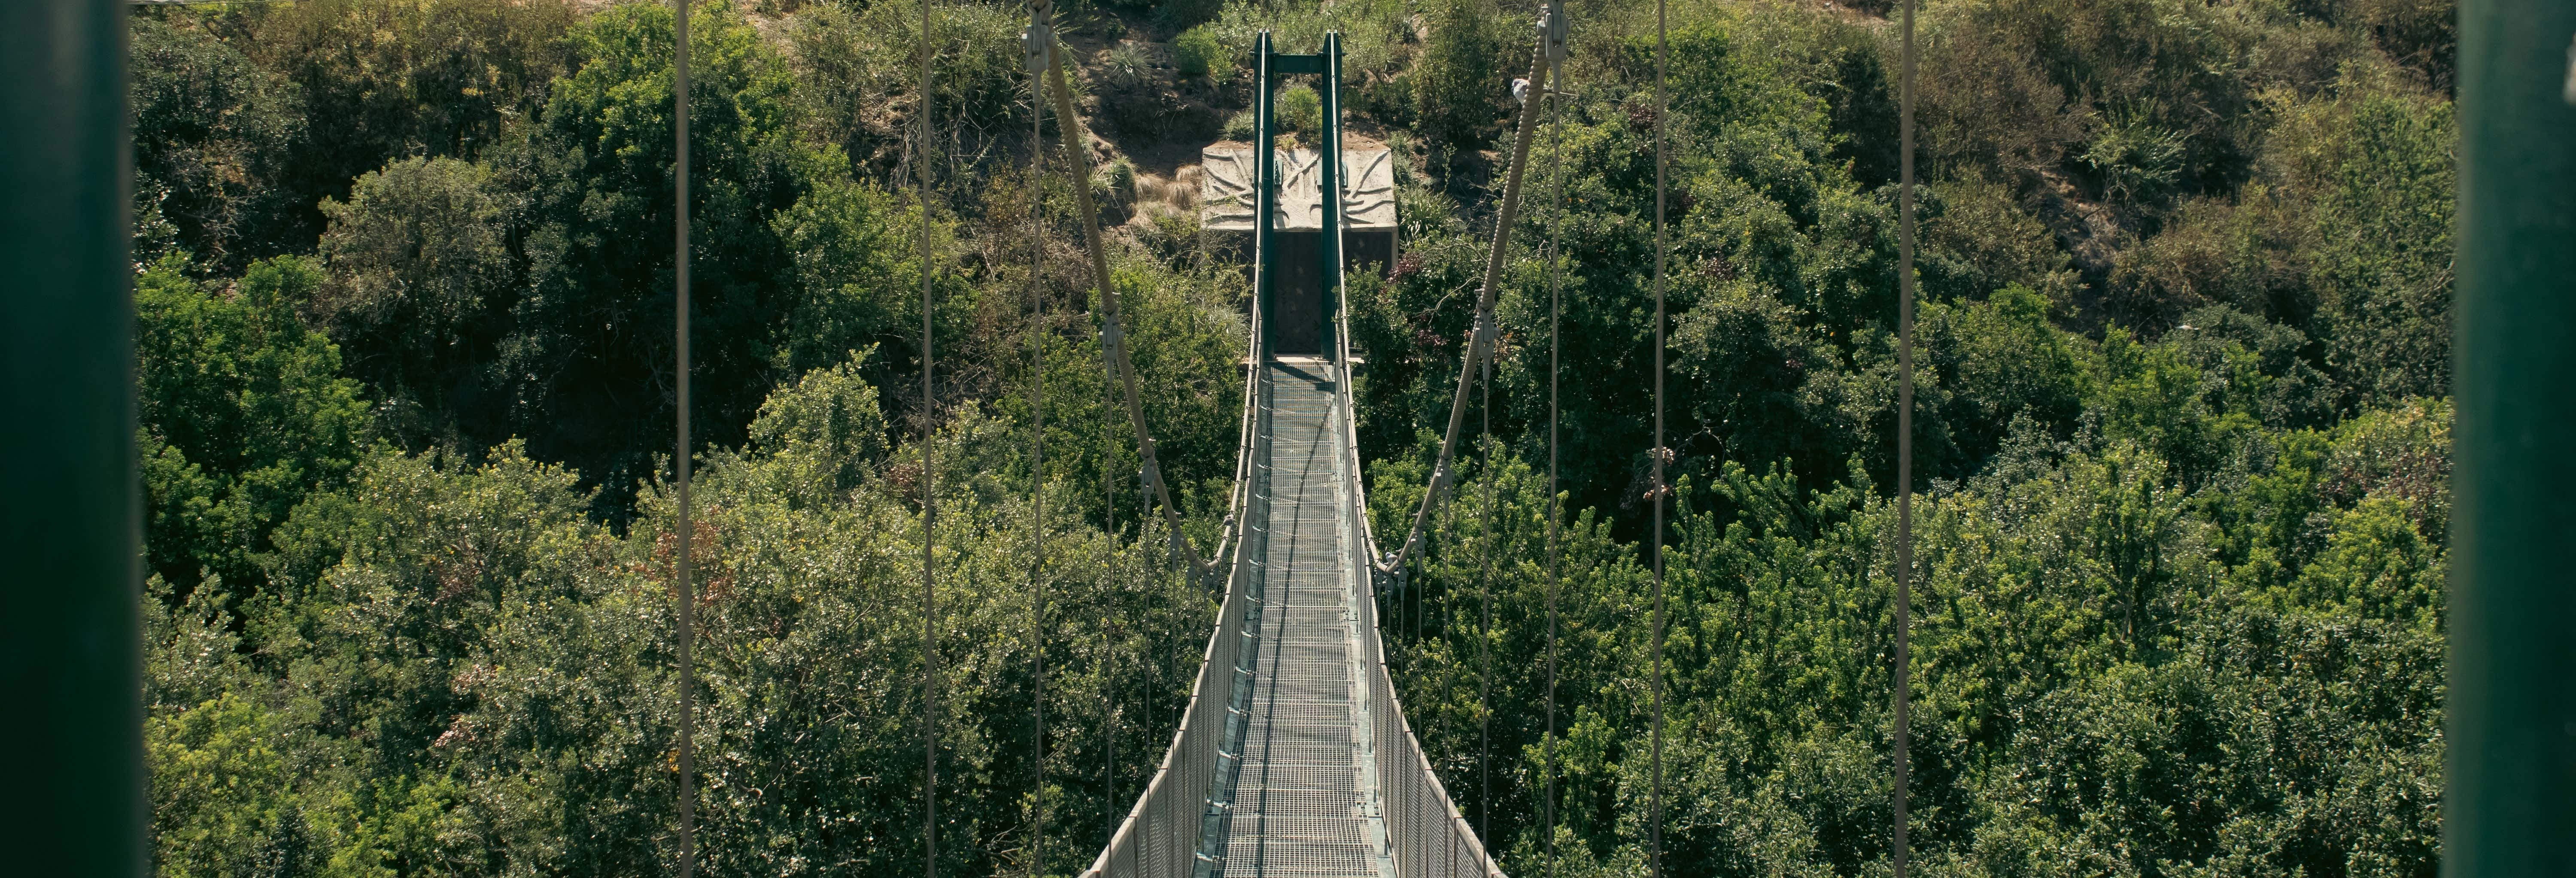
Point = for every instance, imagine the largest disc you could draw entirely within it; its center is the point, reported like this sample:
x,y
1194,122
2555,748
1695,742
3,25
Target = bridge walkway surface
x,y
1305,798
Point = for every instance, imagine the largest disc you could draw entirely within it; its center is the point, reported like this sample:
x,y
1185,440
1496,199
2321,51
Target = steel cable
x,y
1037,450
1555,318
681,581
1655,541
1904,447
1482,337
1485,633
1423,814
1160,837
1113,335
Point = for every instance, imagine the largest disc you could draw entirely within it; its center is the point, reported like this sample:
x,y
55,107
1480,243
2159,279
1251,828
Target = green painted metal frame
x,y
1263,201
71,523
2509,807
1269,66
1330,250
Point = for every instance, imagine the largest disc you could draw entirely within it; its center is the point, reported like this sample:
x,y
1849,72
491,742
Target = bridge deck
x,y
1306,800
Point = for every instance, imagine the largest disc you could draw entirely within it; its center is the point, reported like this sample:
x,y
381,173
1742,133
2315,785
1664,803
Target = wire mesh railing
x,y
1160,836
1427,835
1164,834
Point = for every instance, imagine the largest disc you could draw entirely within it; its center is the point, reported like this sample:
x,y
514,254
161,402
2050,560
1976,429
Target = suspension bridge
x,y
1294,757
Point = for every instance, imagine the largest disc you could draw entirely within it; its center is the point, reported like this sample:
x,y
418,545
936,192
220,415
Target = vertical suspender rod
x,y
682,587
1904,674
1655,538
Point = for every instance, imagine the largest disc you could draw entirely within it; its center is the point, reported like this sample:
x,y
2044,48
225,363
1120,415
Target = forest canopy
x,y
404,298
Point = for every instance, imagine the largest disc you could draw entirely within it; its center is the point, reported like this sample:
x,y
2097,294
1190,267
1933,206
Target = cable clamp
x,y
1552,32
1035,40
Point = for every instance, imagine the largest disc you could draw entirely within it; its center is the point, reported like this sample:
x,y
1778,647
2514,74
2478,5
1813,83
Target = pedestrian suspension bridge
x,y
1293,757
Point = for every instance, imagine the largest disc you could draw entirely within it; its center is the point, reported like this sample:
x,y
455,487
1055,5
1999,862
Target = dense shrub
x,y
1462,82
1298,110
213,140
857,70
1196,52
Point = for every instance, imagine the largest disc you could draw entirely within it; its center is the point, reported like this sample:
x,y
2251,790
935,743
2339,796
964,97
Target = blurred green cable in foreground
x,y
2512,712
69,527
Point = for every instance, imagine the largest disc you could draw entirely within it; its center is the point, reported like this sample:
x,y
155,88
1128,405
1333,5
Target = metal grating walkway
x,y
1294,758
1305,800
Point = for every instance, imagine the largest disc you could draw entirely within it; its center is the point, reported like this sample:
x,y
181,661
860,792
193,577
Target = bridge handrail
x,y
1410,791
1415,805
1160,833
1159,836
1428,835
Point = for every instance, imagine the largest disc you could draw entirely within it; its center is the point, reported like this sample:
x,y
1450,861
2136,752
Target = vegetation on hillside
x,y
403,306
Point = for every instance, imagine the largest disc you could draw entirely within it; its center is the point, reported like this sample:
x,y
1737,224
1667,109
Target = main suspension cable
x,y
1481,339
1113,336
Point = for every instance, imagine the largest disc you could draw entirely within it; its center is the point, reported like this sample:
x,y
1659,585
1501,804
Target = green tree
x,y
244,413
223,801
420,270
826,428
857,279
2000,360
213,140
2381,160
589,351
